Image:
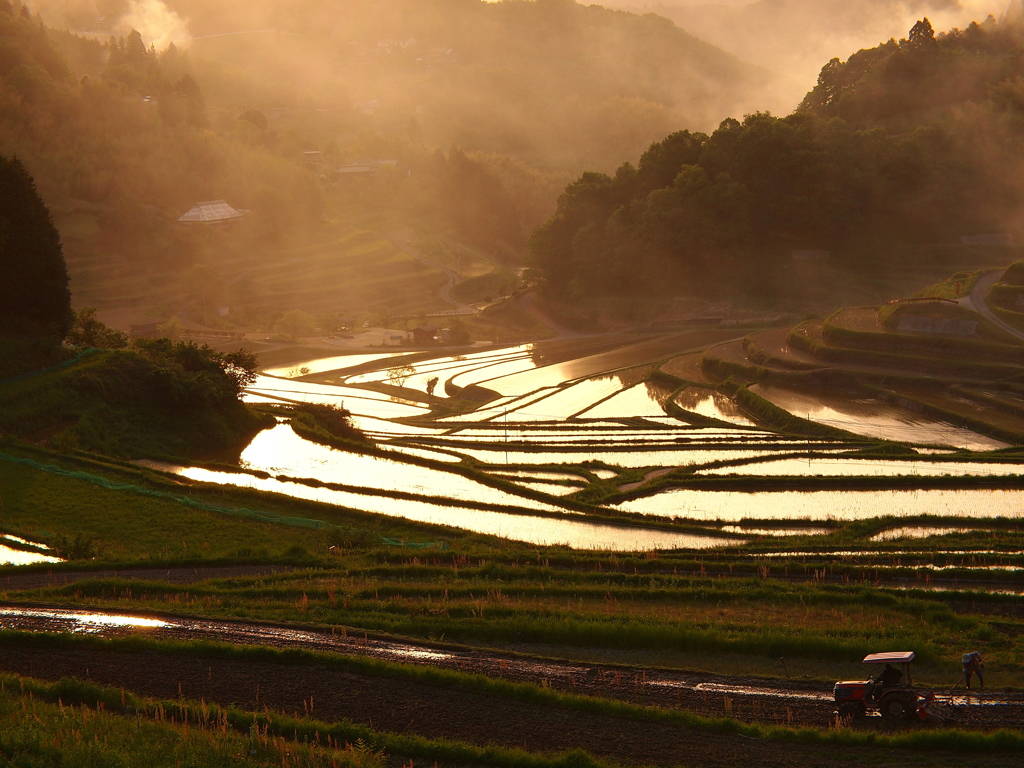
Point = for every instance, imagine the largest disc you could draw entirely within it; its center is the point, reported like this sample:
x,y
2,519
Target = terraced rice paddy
x,y
580,534
874,419
579,432
714,405
849,467
9,556
915,532
828,505
338,363
279,451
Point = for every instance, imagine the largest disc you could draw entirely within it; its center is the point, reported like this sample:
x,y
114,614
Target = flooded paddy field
x,y
814,466
562,412
338,363
11,556
874,419
828,505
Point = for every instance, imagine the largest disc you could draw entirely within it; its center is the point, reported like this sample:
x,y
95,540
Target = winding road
x,y
976,300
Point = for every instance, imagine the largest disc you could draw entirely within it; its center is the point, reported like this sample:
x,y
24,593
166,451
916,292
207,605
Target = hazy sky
x,y
792,38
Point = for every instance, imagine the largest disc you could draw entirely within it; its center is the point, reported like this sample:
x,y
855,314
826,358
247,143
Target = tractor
x,y
889,692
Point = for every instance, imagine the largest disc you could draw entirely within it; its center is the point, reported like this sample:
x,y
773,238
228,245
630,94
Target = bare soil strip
x,y
175,575
400,705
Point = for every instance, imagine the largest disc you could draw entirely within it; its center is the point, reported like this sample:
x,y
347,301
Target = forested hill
x,y
475,114
916,141
555,83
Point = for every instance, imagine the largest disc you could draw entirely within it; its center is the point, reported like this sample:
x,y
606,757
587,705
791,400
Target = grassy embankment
x,y
72,722
1003,297
120,403
653,607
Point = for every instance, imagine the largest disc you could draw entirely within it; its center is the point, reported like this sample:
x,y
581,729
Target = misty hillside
x,y
471,115
892,159
555,83
794,37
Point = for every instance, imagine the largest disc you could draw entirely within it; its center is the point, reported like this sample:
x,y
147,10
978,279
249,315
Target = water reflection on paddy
x,y
541,473
715,405
567,401
324,364
526,528
777,531
483,374
9,556
496,409
514,433
865,467
85,622
828,505
593,365
376,427
515,358
676,458
355,404
916,532
275,384
361,401
280,451
423,453
644,399
553,488
872,418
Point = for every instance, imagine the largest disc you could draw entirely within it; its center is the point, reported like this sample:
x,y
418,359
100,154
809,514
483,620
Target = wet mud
x,y
750,699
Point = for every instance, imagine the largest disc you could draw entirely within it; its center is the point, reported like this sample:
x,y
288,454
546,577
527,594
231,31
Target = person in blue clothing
x,y
973,666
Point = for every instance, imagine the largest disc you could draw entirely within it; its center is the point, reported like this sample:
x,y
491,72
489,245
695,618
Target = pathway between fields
x,y
976,300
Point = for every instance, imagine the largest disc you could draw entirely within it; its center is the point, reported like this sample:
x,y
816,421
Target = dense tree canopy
x,y
914,141
34,293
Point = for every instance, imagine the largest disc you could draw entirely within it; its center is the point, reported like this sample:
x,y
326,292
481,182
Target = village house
x,y
212,212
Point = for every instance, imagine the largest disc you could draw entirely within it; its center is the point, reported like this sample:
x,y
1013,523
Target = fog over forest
x,y
792,38
795,37
397,139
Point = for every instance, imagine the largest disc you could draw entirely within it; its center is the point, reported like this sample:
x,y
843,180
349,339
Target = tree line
x,y
913,141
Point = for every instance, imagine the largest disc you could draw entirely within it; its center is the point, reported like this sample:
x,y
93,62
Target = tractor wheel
x,y
851,710
894,708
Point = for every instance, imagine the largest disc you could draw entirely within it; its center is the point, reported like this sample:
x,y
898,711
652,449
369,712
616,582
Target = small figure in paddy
x,y
973,666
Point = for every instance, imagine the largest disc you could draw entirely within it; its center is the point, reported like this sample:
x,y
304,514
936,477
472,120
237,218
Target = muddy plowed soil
x,y
398,705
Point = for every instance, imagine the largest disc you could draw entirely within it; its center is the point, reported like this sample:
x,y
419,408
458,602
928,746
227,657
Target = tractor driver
x,y
890,677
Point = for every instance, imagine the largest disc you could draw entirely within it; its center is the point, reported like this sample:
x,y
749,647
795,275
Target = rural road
x,y
396,239
976,301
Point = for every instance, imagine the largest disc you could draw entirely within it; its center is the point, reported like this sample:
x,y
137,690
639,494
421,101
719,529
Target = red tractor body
x,y
890,692
851,690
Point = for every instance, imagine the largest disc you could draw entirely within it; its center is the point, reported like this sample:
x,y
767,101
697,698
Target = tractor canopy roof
x,y
890,657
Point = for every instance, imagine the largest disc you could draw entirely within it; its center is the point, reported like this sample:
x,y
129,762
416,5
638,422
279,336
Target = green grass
x,y
955,286
701,609
39,730
119,403
838,333
75,724
132,527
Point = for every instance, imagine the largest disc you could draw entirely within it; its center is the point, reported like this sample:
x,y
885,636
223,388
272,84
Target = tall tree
x,y
34,293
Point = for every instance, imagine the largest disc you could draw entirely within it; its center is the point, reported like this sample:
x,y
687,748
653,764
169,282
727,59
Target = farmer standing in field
x,y
973,666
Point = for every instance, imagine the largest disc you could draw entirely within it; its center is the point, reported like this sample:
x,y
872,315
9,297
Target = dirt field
x,y
399,705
